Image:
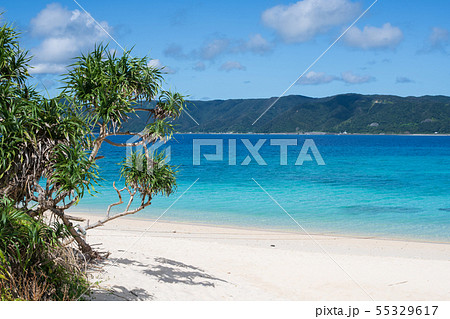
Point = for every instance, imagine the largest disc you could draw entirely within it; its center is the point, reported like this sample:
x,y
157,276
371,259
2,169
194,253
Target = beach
x,y
179,261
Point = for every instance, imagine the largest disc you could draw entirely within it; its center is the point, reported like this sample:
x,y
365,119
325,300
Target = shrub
x,y
34,265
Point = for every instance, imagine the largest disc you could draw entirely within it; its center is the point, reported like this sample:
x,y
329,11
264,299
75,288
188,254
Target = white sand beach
x,y
178,261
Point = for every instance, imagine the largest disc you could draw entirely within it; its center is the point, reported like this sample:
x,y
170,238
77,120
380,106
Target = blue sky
x,y
246,49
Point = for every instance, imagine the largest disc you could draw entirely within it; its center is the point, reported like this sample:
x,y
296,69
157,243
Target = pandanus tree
x,y
109,89
49,147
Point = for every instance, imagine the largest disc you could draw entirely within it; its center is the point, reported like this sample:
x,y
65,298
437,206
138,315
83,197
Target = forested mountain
x,y
352,113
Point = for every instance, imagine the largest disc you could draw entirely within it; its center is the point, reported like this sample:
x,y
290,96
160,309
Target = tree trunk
x,y
86,249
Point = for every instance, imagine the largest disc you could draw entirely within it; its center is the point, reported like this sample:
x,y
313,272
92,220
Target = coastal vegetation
x,y
49,155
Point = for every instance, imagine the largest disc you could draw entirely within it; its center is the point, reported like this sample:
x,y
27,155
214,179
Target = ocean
x,y
362,185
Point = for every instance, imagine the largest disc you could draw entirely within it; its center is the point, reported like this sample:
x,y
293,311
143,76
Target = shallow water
x,y
389,186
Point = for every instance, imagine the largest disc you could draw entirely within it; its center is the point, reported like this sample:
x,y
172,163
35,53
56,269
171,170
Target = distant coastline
x,y
294,114
310,133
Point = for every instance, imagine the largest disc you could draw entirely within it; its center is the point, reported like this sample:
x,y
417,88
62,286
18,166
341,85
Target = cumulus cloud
x,y
231,65
219,46
256,44
65,34
403,79
156,63
351,78
316,78
439,37
51,68
370,37
302,21
53,21
208,51
214,48
175,51
438,40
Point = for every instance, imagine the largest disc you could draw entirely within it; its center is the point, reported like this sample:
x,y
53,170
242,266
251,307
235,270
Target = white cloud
x,y
315,78
57,49
257,44
176,51
305,19
156,63
214,48
51,68
370,37
231,65
351,78
65,34
439,37
439,40
53,20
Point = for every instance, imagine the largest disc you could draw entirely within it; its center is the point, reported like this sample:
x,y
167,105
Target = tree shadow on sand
x,y
174,272
171,271
119,293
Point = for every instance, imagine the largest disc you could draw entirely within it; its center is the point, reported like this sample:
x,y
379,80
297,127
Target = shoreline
x,y
178,261
290,231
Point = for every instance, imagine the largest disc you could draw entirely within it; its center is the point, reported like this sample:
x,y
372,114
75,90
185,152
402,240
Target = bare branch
x,y
131,199
120,199
124,213
66,206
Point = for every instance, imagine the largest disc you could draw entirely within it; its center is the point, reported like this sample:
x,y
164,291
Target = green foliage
x,y
39,137
107,85
170,104
149,175
36,139
33,264
43,138
109,88
13,60
159,129
48,154
73,170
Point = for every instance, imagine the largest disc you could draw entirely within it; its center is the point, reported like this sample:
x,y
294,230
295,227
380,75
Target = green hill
x,y
352,113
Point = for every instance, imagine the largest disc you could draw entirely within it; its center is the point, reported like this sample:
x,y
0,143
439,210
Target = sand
x,y
178,261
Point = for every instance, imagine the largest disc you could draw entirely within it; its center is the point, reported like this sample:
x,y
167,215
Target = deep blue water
x,y
389,186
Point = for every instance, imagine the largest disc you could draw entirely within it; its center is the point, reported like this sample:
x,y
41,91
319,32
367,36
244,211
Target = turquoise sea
x,y
387,186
